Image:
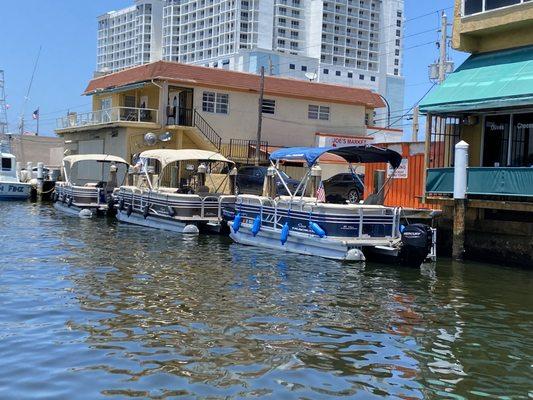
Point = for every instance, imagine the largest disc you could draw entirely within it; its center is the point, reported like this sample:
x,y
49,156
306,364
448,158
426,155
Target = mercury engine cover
x,y
417,240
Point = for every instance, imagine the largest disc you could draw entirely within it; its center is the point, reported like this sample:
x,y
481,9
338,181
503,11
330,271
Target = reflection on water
x,y
92,308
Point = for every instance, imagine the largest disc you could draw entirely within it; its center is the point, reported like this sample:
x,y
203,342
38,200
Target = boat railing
x,y
307,207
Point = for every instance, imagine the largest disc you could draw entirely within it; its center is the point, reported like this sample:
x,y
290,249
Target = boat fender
x,y
63,198
256,225
402,228
317,229
146,211
171,211
129,210
85,213
284,233
237,223
70,199
121,204
191,229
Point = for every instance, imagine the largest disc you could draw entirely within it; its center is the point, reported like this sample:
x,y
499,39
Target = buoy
x,y
85,213
130,210
121,204
70,199
256,225
284,233
171,211
191,230
237,223
146,211
317,229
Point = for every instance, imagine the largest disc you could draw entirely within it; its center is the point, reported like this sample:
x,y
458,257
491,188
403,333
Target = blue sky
x,y
66,29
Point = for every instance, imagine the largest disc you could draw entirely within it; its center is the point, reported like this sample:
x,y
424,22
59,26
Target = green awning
x,y
486,81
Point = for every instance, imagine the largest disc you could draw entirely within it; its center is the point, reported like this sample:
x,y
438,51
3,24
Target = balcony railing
x,y
108,116
486,181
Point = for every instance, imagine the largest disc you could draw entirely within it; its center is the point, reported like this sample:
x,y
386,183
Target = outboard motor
x,y
417,240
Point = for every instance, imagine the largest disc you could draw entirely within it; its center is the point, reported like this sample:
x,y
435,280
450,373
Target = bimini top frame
x,y
69,161
352,154
168,156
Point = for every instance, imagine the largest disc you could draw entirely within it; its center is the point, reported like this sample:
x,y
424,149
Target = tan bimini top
x,y
168,156
71,160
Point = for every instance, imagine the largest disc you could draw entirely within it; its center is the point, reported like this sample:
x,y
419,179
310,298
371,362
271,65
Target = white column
x,y
460,170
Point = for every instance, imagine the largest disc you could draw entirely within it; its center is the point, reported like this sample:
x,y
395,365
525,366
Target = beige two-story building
x,y
188,106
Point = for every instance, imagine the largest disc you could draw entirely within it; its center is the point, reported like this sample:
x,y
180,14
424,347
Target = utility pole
x,y
260,116
443,47
416,125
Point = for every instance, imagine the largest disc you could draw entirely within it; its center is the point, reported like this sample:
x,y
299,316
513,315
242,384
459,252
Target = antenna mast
x,y
21,126
3,106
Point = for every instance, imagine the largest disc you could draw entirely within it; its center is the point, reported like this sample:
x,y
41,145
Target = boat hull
x,y
14,191
164,223
299,243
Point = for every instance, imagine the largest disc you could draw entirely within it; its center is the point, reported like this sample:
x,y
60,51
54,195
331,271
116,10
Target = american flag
x,y
35,114
320,193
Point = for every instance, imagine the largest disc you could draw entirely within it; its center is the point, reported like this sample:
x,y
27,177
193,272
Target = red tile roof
x,y
195,75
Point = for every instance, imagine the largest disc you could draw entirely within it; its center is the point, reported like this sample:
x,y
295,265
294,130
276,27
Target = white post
x,y
460,170
459,195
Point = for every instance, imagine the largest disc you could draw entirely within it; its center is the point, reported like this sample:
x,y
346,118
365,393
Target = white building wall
x,y
288,126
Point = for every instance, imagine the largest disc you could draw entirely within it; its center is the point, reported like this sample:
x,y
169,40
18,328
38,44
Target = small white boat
x,y
89,182
11,188
186,195
308,225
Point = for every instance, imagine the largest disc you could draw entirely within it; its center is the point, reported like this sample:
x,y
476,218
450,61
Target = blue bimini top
x,y
352,154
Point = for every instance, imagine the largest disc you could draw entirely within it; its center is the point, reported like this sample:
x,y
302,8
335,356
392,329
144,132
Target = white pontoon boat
x,y
89,182
305,225
178,190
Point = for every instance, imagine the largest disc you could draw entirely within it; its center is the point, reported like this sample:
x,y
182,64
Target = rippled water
x,y
92,309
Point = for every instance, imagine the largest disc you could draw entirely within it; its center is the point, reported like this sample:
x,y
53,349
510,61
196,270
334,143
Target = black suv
x,y
344,187
250,181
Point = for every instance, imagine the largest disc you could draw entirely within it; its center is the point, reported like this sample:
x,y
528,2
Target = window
x,y
326,71
215,102
477,6
362,77
338,73
292,66
268,106
373,78
129,101
304,68
350,74
6,164
522,141
396,71
318,112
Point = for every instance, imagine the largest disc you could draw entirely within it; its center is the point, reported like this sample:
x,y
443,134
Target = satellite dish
x,y
165,137
311,76
150,139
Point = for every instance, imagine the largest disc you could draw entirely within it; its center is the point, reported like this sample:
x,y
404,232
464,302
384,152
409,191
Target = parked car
x,y
250,180
344,187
